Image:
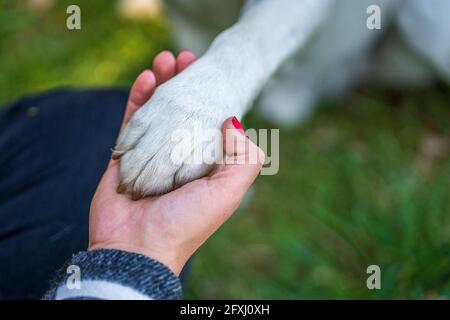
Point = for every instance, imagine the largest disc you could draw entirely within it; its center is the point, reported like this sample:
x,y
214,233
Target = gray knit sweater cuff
x,y
114,274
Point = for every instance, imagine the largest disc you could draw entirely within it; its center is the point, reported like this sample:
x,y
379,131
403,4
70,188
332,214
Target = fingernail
x,y
238,125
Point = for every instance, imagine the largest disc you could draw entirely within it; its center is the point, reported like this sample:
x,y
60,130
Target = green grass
x,y
38,52
357,186
366,181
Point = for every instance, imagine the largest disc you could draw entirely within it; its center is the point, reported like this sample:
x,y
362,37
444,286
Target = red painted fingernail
x,y
238,125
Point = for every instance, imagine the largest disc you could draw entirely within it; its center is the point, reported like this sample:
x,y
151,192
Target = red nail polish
x,y
238,125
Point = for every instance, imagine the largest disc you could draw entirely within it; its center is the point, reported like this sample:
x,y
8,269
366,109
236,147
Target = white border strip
x,y
100,289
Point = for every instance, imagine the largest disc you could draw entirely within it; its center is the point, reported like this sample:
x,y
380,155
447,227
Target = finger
x,y
111,177
184,59
140,92
164,66
143,88
242,164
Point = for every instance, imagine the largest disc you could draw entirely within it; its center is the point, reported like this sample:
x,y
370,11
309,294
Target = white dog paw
x,y
160,148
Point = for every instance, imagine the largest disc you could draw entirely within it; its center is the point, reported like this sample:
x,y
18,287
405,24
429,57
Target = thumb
x,y
242,161
239,149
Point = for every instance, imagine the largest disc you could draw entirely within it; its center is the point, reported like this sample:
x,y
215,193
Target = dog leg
x,y
338,57
220,84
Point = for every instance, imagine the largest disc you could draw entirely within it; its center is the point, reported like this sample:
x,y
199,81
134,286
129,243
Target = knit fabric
x,y
114,274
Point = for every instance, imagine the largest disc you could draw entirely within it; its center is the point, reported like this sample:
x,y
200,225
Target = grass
x,y
38,51
366,181
357,186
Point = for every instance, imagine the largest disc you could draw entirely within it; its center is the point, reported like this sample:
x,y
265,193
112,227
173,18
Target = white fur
x,y
222,83
240,61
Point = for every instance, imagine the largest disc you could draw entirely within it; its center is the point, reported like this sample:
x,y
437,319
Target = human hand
x,y
171,227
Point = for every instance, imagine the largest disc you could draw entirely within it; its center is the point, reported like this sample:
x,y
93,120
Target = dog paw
x,y
165,142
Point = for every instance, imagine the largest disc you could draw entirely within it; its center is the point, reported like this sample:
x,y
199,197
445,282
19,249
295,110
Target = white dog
x,y
294,51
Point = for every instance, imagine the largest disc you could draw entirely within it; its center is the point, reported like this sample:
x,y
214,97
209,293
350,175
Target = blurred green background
x,y
366,181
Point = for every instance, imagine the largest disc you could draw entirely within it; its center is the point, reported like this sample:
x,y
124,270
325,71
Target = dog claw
x,y
121,188
116,154
136,196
